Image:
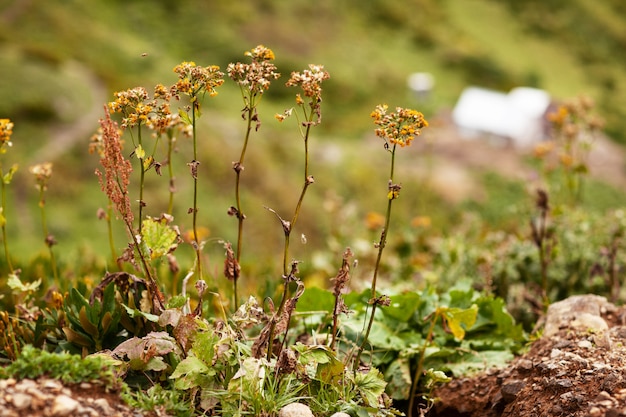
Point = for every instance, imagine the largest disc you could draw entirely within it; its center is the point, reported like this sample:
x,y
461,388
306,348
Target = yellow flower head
x,y
194,80
400,127
261,53
6,130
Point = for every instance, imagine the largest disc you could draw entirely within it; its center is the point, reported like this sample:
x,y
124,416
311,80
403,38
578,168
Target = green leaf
x,y
370,385
133,313
475,362
398,375
184,116
6,178
403,306
189,365
316,299
159,237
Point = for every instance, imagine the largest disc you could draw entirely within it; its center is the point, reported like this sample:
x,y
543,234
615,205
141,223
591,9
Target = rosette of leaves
x,y
93,326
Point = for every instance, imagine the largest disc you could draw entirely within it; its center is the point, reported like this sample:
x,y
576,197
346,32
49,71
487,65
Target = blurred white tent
x,y
518,116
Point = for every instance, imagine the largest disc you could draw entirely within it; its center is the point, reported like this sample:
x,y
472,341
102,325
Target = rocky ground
x,y
50,398
577,368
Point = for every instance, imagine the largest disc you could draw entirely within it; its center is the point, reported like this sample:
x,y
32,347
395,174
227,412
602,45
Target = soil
x,y
568,373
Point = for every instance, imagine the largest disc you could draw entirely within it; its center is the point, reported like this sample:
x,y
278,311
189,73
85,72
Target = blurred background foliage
x,y
60,61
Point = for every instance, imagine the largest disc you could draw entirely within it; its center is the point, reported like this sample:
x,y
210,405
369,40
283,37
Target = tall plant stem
x,y
4,228
238,167
308,180
170,172
194,103
109,215
381,246
142,175
420,363
47,238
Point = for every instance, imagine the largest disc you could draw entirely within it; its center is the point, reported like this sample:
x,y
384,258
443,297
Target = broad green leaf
x,y
398,375
475,362
370,385
159,237
459,320
316,299
189,365
403,306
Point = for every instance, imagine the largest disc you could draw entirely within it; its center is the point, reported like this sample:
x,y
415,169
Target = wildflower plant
x,y
6,131
397,129
135,108
253,80
308,112
43,173
194,82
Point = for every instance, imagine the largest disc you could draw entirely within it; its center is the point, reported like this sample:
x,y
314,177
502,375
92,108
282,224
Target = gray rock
x,y
511,389
579,312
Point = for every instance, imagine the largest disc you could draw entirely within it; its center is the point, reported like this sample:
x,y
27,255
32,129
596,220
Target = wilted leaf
x,y
459,320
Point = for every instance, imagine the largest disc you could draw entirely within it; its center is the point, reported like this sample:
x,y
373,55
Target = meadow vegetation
x,y
239,251
221,337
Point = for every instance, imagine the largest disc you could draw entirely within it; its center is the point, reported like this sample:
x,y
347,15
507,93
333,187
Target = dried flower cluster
x,y
399,127
310,81
42,173
117,169
256,76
